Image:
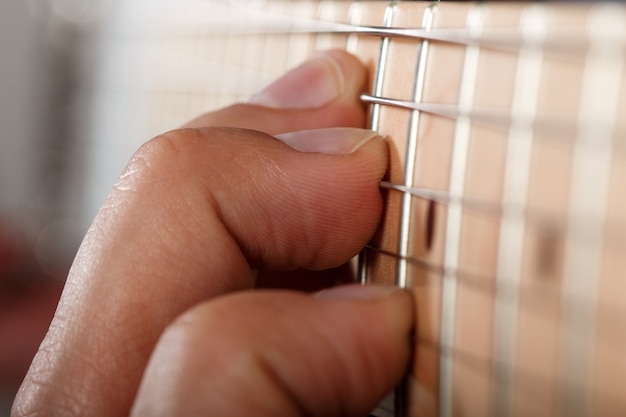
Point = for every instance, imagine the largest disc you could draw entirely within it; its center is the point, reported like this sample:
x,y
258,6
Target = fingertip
x,y
352,69
333,141
324,78
376,150
391,308
322,92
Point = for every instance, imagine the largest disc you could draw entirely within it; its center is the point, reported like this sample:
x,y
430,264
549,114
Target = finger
x,y
323,92
281,354
194,210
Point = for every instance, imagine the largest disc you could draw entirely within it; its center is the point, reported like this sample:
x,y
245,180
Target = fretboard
x,y
505,202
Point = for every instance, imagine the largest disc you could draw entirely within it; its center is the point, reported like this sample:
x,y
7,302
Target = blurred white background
x,y
82,84
43,105
85,82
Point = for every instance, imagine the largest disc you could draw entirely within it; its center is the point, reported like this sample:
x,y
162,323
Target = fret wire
x,y
374,118
400,402
589,189
410,158
450,111
355,14
512,221
558,130
404,232
411,153
454,218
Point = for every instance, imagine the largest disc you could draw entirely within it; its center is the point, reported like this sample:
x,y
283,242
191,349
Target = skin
x,y
158,315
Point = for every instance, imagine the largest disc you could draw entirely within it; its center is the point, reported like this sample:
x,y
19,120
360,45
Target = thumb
x,y
281,354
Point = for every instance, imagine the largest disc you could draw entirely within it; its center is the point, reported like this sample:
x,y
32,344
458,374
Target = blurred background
x,y
40,217
82,84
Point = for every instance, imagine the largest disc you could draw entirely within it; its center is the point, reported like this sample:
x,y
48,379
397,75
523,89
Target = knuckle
x,y
162,158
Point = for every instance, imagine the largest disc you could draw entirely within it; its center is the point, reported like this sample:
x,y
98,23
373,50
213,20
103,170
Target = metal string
x,y
551,224
565,42
559,130
486,284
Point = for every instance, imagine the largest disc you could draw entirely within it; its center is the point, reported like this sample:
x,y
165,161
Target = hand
x,y
155,316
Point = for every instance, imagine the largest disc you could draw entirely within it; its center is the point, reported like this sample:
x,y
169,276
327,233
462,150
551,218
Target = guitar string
x,y
570,42
554,129
548,223
486,284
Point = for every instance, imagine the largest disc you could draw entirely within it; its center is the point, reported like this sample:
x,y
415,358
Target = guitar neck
x,y
505,206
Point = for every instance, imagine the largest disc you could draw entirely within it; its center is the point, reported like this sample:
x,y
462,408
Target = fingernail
x,y
313,84
334,141
358,292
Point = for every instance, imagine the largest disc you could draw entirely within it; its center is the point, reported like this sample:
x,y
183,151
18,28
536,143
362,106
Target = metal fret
x,y
379,79
512,225
588,194
400,406
455,213
404,234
